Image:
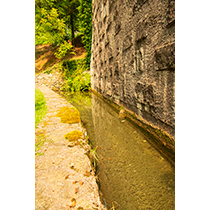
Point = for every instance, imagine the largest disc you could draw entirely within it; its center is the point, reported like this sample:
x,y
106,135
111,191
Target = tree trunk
x,y
72,27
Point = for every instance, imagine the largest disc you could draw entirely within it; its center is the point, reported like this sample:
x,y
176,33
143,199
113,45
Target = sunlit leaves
x,y
54,18
63,49
49,28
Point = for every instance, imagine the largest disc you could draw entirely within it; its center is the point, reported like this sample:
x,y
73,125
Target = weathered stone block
x,y
109,22
106,41
171,12
117,27
140,92
141,32
133,60
137,6
127,42
165,57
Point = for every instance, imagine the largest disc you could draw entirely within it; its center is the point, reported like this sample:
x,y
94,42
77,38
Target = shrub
x,y
76,79
63,49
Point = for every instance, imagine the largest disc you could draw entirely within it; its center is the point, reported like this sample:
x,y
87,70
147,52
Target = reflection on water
x,y
132,174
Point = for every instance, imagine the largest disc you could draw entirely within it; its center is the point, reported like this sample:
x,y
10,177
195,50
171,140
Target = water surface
x,y
132,173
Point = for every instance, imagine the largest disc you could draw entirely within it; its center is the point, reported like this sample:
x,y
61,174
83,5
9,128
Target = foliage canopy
x,y
58,21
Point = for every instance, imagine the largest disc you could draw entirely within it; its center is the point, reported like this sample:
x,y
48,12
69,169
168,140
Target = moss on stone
x,y
73,135
69,115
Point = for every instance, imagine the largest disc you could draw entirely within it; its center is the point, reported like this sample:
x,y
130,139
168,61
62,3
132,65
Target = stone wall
x,y
133,57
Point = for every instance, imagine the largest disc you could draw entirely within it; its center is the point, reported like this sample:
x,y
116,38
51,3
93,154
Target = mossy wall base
x,y
160,138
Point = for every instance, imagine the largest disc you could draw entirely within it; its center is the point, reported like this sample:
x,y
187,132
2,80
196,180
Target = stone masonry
x,y
133,57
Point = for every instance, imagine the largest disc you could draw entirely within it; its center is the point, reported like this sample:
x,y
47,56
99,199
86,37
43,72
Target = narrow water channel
x,y
132,174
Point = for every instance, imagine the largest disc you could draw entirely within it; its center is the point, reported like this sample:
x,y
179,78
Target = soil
x,y
45,58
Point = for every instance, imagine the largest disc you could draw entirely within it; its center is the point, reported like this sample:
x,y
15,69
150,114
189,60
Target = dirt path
x,y
45,58
64,176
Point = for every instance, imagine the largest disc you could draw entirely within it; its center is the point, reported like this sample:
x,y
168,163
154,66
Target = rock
x,y
122,114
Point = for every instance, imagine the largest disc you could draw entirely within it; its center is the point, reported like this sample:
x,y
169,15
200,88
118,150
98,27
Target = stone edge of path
x,y
65,178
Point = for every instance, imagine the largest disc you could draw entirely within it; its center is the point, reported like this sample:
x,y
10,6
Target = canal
x,y
132,173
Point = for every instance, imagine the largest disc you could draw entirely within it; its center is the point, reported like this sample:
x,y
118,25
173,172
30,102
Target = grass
x,y
94,156
40,139
39,142
76,76
40,106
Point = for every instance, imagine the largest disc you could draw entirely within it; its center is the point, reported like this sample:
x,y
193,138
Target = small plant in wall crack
x,y
93,156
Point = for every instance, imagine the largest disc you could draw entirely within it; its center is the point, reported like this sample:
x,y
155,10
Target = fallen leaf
x,y
76,190
87,173
74,182
73,200
67,176
81,183
109,158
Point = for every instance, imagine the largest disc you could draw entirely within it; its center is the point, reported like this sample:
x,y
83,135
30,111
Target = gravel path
x,y
64,178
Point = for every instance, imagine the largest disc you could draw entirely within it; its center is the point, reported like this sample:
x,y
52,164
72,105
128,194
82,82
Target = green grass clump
x,y
39,142
74,135
69,115
40,106
40,139
76,76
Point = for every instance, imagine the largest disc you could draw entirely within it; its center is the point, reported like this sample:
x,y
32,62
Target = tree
x,y
52,18
49,29
69,13
85,25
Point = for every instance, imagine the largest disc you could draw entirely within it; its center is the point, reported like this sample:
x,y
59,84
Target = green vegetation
x,y
93,156
57,22
40,139
63,50
39,142
40,106
85,26
75,75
